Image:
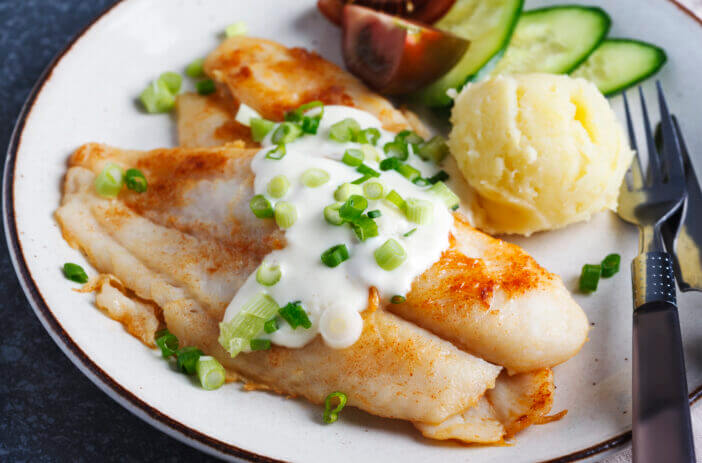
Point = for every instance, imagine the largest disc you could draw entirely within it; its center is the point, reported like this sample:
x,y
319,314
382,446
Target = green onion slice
x,y
434,150
369,136
389,164
75,272
335,255
186,359
353,157
390,255
374,214
360,180
364,227
268,274
285,214
260,344
419,211
409,233
353,207
271,326
440,176
261,207
331,412
374,189
313,177
157,97
108,183
245,115
286,132
135,180
276,153
308,116
396,149
167,342
206,87
409,172
210,373
398,299
331,214
589,277
295,315
610,265
370,153
238,28
346,190
408,137
237,333
395,199
278,186
172,80
344,131
367,171
195,69
445,194
260,128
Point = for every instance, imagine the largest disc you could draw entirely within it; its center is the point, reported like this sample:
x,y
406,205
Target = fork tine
x,y
635,168
671,151
654,161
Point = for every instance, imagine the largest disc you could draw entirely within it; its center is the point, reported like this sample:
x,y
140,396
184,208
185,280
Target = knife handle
x,y
661,420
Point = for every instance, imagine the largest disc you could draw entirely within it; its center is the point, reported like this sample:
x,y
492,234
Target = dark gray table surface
x,y
49,411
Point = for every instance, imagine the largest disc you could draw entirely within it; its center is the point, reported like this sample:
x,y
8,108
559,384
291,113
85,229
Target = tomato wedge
x,y
425,11
393,55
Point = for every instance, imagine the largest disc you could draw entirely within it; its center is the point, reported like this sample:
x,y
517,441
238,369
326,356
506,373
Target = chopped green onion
x,y
75,272
299,114
409,233
409,172
331,214
445,194
335,255
108,183
238,28
589,277
353,207
268,274
364,227
397,299
396,149
360,180
261,207
390,255
260,344
374,214
195,69
610,265
295,315
419,211
344,131
353,157
172,80
167,342
370,136
285,214
186,359
260,128
278,186
374,189
236,334
245,115
409,137
389,164
135,180
312,178
332,414
205,87
276,153
271,326
394,198
367,171
419,181
434,150
370,153
345,191
310,124
440,176
210,373
286,132
157,97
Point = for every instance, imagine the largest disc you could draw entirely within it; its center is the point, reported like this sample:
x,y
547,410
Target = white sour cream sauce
x,y
334,297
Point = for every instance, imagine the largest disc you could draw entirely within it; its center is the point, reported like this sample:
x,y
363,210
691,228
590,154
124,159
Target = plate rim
x,y
92,370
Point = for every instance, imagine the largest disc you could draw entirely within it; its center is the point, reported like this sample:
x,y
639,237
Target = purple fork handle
x,y
661,418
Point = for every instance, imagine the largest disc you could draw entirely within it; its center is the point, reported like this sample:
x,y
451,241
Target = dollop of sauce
x,y
333,298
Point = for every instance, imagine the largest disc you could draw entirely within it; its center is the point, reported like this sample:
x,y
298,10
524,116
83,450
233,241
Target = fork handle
x,y
661,418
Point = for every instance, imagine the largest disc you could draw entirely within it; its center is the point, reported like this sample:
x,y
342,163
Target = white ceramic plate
x,y
88,94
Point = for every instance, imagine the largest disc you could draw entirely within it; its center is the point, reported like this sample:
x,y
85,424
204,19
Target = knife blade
x,y
682,232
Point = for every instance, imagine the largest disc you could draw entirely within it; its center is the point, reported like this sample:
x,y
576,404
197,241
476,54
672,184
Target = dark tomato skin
x,y
425,11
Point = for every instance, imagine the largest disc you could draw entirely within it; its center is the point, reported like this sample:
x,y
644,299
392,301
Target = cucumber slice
x,y
554,39
488,25
620,63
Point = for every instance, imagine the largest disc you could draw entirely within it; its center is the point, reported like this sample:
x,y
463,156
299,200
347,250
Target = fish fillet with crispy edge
x,y
485,295
273,79
395,369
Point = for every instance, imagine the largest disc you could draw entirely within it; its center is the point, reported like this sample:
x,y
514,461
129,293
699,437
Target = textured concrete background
x,y
49,411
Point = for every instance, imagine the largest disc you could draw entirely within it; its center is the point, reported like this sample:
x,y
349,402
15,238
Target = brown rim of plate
x,y
91,369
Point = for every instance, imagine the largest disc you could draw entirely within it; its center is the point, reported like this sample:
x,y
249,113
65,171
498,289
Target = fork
x,y
661,416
